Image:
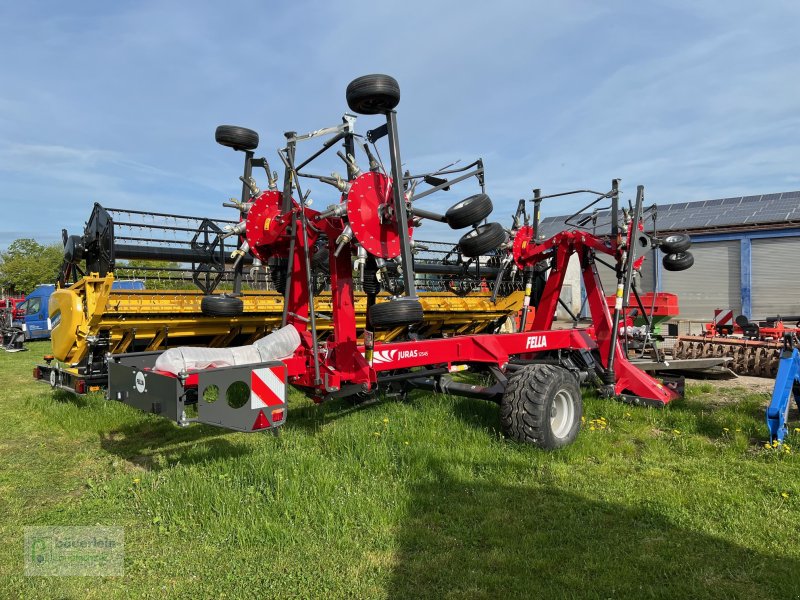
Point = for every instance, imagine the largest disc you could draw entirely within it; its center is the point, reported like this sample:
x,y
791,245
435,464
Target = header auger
x,y
366,237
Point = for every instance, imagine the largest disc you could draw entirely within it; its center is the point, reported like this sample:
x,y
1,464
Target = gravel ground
x,y
752,384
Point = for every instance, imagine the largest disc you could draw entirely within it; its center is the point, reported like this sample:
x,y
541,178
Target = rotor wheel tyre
x,y
470,211
372,284
238,138
482,239
395,313
679,261
320,261
373,94
542,405
221,305
676,242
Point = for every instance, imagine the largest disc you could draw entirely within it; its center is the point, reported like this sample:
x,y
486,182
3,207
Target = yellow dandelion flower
x,y
385,420
676,431
784,494
136,481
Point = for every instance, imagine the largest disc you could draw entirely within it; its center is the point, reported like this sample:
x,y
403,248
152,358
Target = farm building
x,y
746,251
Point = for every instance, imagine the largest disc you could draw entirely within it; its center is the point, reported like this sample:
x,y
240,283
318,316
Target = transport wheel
x,y
679,261
320,260
676,242
542,405
278,268
371,283
470,211
482,239
221,305
394,313
373,94
238,138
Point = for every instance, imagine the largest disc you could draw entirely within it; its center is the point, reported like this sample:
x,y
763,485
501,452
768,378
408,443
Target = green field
x,y
404,500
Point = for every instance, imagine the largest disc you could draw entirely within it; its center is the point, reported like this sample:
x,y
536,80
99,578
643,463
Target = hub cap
x,y
562,414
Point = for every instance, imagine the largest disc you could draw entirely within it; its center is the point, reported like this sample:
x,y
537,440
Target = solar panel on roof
x,y
771,218
703,214
788,203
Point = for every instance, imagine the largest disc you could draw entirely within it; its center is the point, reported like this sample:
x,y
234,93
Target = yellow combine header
x,y
92,316
90,319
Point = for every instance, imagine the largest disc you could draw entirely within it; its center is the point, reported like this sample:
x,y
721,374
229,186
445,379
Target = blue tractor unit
x,y
36,323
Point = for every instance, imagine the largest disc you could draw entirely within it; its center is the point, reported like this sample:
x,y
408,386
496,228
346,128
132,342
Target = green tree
x,y
27,263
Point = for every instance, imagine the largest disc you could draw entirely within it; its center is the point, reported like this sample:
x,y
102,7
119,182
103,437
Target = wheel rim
x,y
562,414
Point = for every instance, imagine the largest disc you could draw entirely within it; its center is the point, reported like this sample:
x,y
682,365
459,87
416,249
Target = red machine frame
x,y
378,215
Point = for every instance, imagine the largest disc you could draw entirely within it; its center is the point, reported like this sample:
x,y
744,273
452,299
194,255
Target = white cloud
x,y
117,103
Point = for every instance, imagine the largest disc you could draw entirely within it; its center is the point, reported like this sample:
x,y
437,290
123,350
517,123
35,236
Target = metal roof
x,y
742,212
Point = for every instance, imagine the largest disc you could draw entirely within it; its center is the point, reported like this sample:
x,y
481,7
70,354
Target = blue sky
x,y
116,102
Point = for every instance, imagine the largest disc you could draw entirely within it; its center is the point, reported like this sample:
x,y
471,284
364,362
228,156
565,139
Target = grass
x,y
404,500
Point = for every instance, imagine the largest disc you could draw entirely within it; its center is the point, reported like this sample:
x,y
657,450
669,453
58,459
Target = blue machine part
x,y
37,324
787,384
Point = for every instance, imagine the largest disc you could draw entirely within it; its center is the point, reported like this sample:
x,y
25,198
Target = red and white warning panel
x,y
268,387
723,317
249,397
723,322
268,395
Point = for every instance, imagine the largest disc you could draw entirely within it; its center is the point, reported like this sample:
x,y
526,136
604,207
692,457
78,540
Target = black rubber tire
x,y
278,268
373,94
395,313
528,409
680,261
320,261
238,138
74,249
675,243
371,284
482,239
470,211
221,305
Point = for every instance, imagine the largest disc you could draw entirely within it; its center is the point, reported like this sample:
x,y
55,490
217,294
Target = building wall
x,y
712,282
765,282
754,273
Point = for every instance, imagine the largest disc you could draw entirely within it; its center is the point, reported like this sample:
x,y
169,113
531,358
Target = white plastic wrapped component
x,y
278,344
